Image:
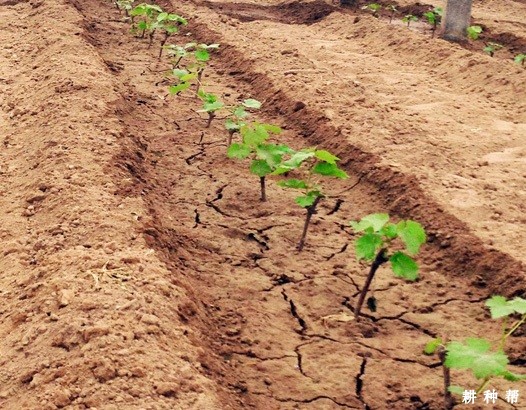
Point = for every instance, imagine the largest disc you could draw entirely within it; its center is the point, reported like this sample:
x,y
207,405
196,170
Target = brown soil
x,y
140,271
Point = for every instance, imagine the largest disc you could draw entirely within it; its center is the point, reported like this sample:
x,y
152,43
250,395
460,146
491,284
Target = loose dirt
x,y
140,271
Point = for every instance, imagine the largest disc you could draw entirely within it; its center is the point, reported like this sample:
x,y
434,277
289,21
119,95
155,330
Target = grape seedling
x,y
265,157
474,32
520,59
433,18
321,163
491,48
199,55
148,14
211,104
409,18
485,359
392,8
374,8
375,243
238,115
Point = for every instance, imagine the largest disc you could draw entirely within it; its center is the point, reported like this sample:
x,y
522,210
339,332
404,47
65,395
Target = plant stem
x,y
515,326
211,116
263,190
483,385
448,399
152,33
311,210
163,42
199,76
230,136
504,336
378,261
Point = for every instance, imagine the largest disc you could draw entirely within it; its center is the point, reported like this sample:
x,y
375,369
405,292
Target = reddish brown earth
x,y
139,269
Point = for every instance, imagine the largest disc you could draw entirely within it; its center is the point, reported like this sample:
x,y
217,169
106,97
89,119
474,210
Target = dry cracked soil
x,y
139,270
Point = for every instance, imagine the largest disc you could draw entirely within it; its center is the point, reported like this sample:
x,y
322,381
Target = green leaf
x,y
251,103
187,77
273,129
202,55
474,32
293,162
232,125
293,183
326,156
253,135
519,304
240,112
329,170
500,307
272,153
389,231
212,106
260,168
174,89
368,245
307,200
412,234
456,390
475,355
513,377
239,151
404,266
432,346
374,221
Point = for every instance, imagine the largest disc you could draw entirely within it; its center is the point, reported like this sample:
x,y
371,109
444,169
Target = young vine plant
x,y
376,245
198,55
211,105
320,163
485,358
265,158
238,116
434,17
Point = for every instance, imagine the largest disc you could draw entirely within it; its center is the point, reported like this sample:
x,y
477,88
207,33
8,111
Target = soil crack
x,y
294,312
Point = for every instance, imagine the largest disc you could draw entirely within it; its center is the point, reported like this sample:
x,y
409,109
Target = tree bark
x,y
457,18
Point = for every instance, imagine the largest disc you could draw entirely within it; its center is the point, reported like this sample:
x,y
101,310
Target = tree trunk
x,y
457,18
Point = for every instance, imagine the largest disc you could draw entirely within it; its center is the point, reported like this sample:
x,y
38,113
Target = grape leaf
x,y
251,103
368,245
271,154
307,200
374,221
202,55
274,129
404,266
412,234
329,170
389,231
239,151
293,183
499,307
513,377
212,106
240,112
174,89
519,304
293,162
232,125
260,168
432,346
326,156
476,355
253,136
